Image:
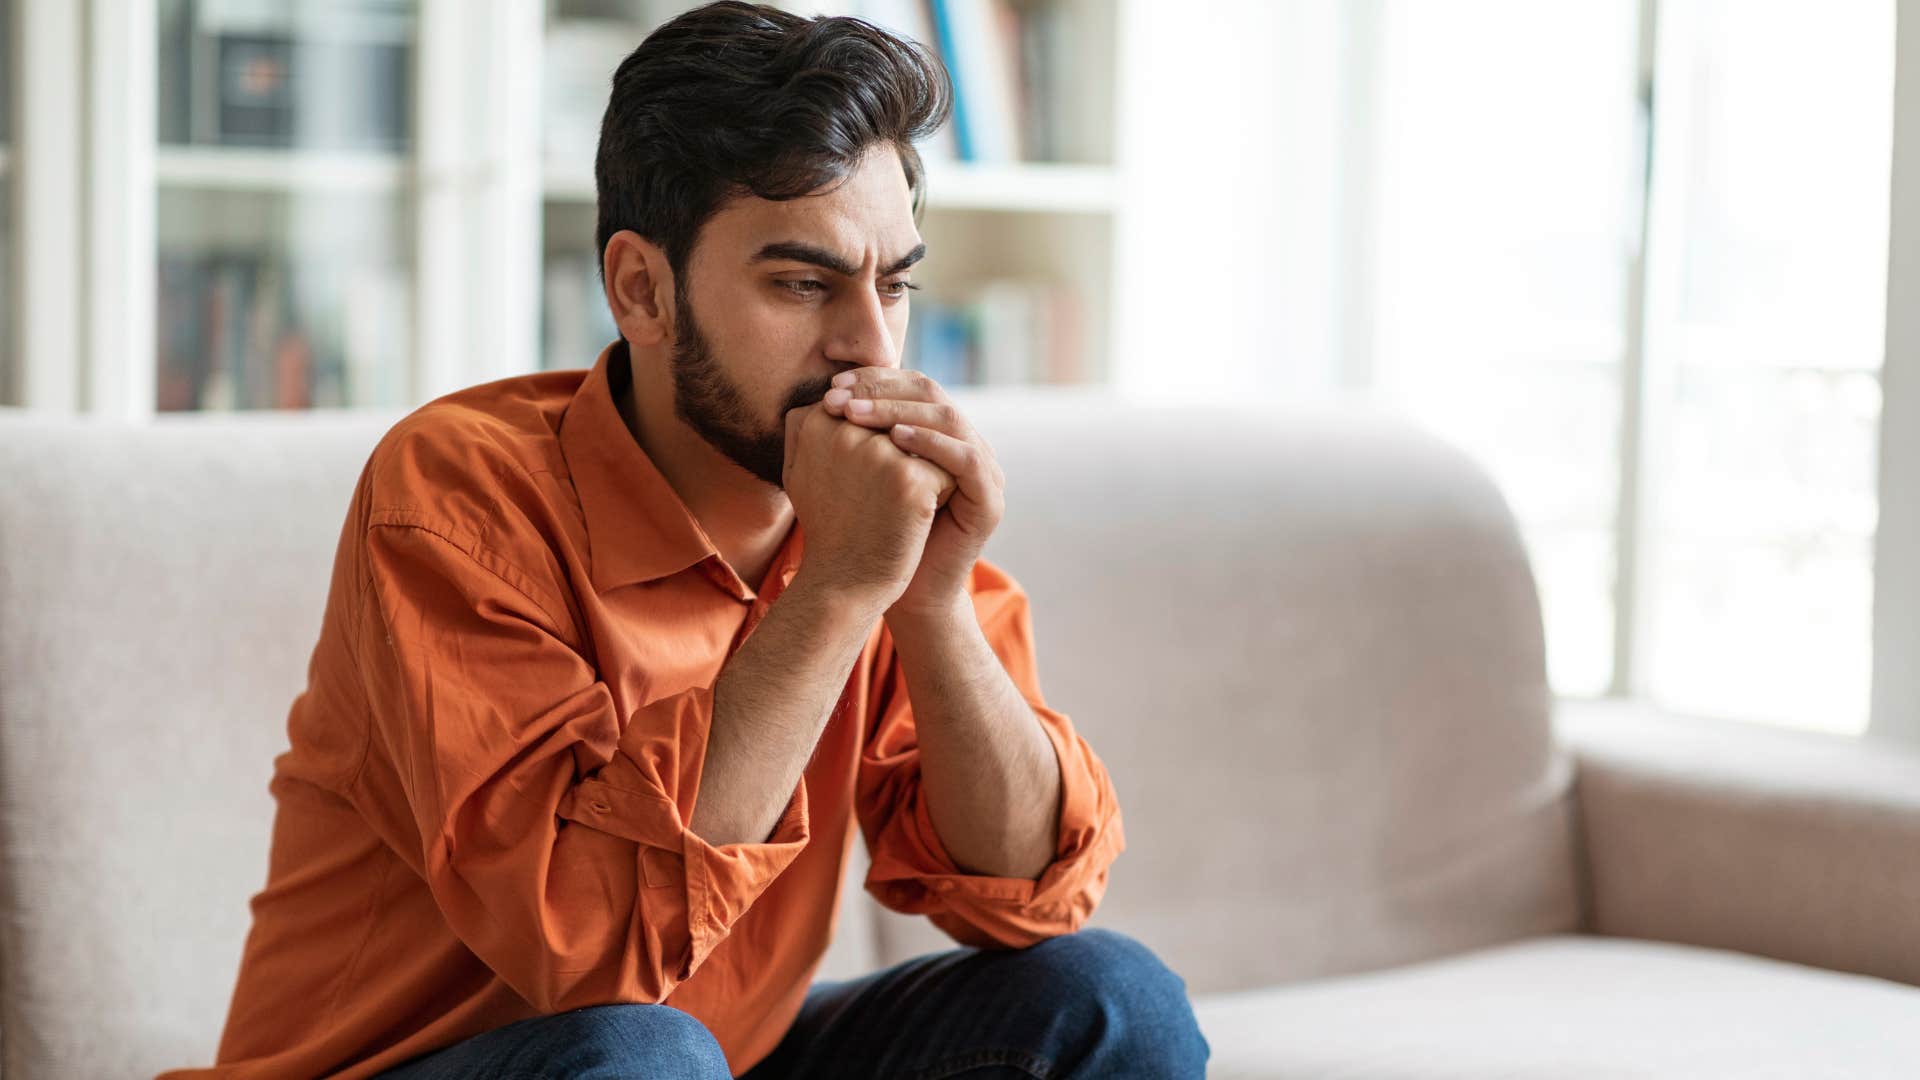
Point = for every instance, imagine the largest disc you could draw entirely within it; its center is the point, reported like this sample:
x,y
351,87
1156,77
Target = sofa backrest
x,y
1306,644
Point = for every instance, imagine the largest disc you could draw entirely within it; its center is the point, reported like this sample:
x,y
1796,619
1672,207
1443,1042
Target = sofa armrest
x,y
1795,845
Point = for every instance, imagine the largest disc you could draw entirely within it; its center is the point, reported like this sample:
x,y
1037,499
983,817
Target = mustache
x,y
807,393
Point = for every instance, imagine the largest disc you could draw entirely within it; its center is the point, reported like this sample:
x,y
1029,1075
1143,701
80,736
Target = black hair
x,y
734,98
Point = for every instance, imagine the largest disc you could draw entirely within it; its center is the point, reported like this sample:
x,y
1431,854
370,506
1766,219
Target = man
x,y
615,661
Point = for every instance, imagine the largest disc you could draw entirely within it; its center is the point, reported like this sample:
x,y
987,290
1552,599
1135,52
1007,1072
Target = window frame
x,y
1895,701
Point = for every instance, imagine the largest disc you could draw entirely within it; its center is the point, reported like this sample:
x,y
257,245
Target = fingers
x,y
898,396
973,470
812,423
884,382
943,482
795,418
886,412
919,417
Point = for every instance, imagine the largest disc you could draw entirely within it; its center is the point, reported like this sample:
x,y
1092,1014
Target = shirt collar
x,y
638,529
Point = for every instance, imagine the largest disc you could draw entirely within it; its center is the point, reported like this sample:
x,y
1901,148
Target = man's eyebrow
x,y
819,256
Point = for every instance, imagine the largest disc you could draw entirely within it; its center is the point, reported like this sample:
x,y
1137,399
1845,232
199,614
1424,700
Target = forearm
x,y
988,771
770,704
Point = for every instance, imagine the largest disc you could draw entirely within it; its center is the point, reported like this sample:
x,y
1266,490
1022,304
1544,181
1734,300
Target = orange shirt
x,y
482,816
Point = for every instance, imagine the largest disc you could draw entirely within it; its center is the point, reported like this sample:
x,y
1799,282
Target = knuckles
x,y
904,483
871,451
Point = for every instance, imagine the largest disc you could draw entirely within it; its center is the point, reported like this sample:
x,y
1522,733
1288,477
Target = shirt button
x,y
943,886
600,807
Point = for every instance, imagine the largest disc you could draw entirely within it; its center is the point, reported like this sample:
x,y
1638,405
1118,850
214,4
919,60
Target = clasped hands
x,y
921,419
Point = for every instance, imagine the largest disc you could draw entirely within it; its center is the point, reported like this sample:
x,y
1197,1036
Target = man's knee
x,y
1136,1004
636,1040
1110,965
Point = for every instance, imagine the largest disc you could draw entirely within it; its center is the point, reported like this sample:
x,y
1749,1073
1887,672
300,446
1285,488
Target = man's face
x,y
790,294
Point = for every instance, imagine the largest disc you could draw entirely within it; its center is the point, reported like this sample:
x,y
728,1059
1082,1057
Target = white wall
x,y
1231,275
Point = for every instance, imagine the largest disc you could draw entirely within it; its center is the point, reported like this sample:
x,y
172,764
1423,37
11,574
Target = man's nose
x,y
860,334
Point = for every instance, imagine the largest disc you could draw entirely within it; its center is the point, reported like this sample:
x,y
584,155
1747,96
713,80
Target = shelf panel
x,y
1088,189
249,169
1027,187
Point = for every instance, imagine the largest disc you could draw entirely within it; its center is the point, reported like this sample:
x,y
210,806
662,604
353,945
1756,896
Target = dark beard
x,y
712,405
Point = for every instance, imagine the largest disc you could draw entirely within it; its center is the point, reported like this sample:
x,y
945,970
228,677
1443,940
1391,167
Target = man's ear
x,y
639,288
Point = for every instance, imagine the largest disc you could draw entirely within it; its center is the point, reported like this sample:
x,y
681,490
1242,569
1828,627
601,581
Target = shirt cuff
x,y
717,885
722,882
1065,892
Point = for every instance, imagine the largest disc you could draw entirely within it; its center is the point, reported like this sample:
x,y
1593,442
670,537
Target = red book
x,y
292,362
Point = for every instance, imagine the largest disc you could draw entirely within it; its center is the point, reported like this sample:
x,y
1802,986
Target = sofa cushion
x,y
1569,1007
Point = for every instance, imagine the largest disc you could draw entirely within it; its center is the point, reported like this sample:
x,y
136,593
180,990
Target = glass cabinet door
x,y
584,42
285,222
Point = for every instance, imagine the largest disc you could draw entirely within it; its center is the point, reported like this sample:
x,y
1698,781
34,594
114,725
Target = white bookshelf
x,y
1035,188
470,216
260,170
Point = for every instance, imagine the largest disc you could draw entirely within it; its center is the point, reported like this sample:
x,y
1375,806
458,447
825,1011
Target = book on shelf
x,y
243,330
912,20
1008,63
1046,74
267,73
1006,332
939,342
985,99
1010,66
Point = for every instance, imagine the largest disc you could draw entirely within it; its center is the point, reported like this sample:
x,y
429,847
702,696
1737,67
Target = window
x,y
1689,439
1505,209
1766,294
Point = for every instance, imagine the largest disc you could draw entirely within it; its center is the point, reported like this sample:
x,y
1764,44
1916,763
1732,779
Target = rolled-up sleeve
x,y
912,871
553,836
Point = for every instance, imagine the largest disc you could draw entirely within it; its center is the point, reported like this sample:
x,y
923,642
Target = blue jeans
x,y
1090,1004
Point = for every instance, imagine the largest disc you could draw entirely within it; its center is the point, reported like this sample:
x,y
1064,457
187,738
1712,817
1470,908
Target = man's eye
x,y
808,287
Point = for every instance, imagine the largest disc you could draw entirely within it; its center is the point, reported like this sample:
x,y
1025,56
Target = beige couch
x,y
1306,642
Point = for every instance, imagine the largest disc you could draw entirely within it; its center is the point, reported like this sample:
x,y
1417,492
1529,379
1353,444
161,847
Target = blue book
x,y
943,29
